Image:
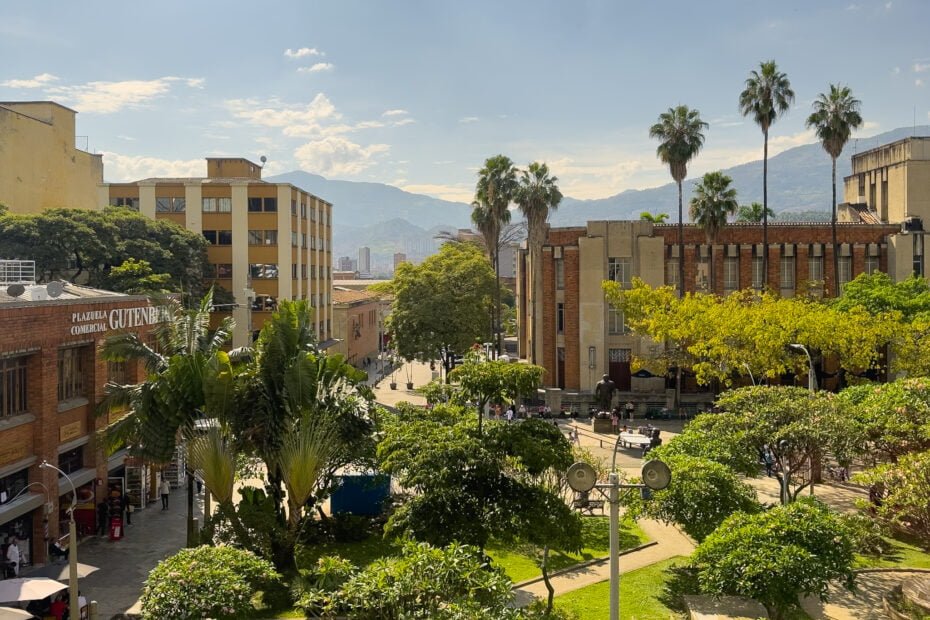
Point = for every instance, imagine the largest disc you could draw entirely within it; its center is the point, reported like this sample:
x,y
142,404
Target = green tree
x,y
188,377
496,188
834,117
777,555
680,133
879,294
657,218
752,213
701,495
484,381
137,278
537,196
441,304
893,418
767,95
722,438
906,494
713,201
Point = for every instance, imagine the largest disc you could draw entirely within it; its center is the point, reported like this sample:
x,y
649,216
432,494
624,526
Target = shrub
x,y
207,582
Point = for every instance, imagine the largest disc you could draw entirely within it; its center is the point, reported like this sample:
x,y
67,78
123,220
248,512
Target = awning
x,y
20,506
78,478
117,459
322,346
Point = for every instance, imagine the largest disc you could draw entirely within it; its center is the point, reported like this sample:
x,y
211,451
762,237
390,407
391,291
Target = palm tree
x,y
657,218
537,196
680,132
714,200
752,213
835,115
188,377
767,96
495,190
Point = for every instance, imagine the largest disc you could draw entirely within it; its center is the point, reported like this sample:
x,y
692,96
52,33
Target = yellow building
x,y
40,167
268,241
892,180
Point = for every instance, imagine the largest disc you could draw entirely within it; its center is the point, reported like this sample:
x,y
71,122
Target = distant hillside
x,y
799,180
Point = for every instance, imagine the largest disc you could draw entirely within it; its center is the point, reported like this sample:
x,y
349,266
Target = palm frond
x,y
211,455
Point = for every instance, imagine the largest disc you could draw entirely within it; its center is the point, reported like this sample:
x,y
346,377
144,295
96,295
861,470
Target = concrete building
x,y
40,166
892,180
51,379
364,261
580,336
399,257
268,241
357,325
345,263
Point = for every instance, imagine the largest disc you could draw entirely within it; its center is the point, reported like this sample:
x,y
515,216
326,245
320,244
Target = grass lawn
x,y
361,553
903,555
641,594
520,562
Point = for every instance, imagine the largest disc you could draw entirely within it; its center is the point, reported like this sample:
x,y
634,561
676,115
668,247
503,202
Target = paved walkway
x,y
125,564
863,604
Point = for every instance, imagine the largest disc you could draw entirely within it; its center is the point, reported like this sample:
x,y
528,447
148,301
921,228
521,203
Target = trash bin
x,y
116,528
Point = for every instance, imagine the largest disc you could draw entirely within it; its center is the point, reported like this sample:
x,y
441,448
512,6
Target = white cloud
x,y
469,119
304,120
888,5
128,138
896,71
869,126
852,7
123,168
918,82
318,67
369,125
303,52
337,156
43,79
920,67
396,112
109,97
458,192
404,121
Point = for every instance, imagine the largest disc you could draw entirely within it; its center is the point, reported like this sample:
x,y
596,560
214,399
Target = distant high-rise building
x,y
345,264
364,260
399,257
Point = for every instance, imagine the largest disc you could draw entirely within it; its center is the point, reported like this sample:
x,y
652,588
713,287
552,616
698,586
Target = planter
x,y
410,385
393,385
602,425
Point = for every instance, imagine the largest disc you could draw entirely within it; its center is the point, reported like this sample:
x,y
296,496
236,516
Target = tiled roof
x,y
348,296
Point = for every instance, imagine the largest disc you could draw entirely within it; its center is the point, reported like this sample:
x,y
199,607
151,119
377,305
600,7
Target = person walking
x,y
768,459
12,556
165,490
509,414
126,507
103,518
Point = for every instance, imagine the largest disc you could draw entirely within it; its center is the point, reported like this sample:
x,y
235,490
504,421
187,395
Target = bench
x,y
633,440
588,506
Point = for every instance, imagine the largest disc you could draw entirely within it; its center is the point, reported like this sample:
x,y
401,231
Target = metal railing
x,y
17,272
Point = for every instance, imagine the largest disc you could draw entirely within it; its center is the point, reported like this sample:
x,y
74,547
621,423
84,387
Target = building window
x,y
224,237
255,205
757,272
210,236
559,274
293,271
845,272
671,272
217,205
224,270
208,205
619,356
871,264
787,273
256,237
263,271
303,210
303,240
620,270
72,460
268,205
70,373
616,324
294,239
303,272
730,274
815,269
294,208
918,263
118,372
13,484
560,318
702,275
13,393
169,205
132,203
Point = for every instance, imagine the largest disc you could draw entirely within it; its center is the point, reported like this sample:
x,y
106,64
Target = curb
x,y
900,569
585,564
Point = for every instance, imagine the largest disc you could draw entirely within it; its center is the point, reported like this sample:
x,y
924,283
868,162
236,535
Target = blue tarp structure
x,y
361,494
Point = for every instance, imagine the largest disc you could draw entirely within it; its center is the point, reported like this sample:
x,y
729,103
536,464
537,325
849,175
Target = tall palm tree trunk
x,y
836,248
681,246
537,279
498,335
765,209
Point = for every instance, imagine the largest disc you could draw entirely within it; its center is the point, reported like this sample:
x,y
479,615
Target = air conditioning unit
x,y
912,224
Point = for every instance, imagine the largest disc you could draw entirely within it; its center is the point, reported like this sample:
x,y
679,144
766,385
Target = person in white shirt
x,y
165,490
12,556
82,605
522,411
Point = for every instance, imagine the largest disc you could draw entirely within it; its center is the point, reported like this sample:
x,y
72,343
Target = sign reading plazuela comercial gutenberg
x,y
97,321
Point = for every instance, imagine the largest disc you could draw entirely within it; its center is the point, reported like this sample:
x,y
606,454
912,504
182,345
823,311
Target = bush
x,y
207,582
777,555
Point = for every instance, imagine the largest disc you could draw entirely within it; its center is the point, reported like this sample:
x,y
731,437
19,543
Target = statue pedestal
x,y
601,425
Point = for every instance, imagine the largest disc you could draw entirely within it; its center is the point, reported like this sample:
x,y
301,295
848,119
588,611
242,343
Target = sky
x,y
417,94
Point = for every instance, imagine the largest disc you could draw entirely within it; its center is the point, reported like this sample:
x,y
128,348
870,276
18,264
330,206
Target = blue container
x,y
361,494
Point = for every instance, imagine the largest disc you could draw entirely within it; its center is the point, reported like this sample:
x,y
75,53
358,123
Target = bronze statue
x,y
604,392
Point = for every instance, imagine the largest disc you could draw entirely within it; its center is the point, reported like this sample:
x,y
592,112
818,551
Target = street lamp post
x,y
749,370
811,378
73,605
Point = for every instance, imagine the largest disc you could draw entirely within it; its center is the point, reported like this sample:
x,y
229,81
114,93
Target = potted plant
x,y
409,368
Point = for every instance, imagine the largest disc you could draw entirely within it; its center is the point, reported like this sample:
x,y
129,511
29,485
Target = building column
x,y
242,313
193,210
147,199
285,249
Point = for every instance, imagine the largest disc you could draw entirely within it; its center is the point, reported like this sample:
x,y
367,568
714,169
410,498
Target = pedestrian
x,y
82,605
126,507
497,412
103,515
768,459
573,436
58,608
630,408
165,490
614,421
13,556
522,412
509,414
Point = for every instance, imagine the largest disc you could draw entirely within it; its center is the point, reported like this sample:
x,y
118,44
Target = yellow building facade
x,y
268,241
40,166
892,180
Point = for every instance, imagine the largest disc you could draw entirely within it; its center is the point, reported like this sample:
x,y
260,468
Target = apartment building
x,y
268,241
40,164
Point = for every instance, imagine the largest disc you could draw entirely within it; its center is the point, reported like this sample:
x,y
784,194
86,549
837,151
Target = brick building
x,y
357,319
51,379
580,336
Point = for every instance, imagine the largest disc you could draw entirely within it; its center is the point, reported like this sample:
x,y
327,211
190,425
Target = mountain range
x,y
389,220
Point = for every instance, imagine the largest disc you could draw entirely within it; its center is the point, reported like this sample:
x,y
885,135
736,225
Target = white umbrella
x,y
28,588
62,572
11,613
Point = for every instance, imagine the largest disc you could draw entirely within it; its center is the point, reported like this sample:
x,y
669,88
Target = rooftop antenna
x,y
264,159
55,289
